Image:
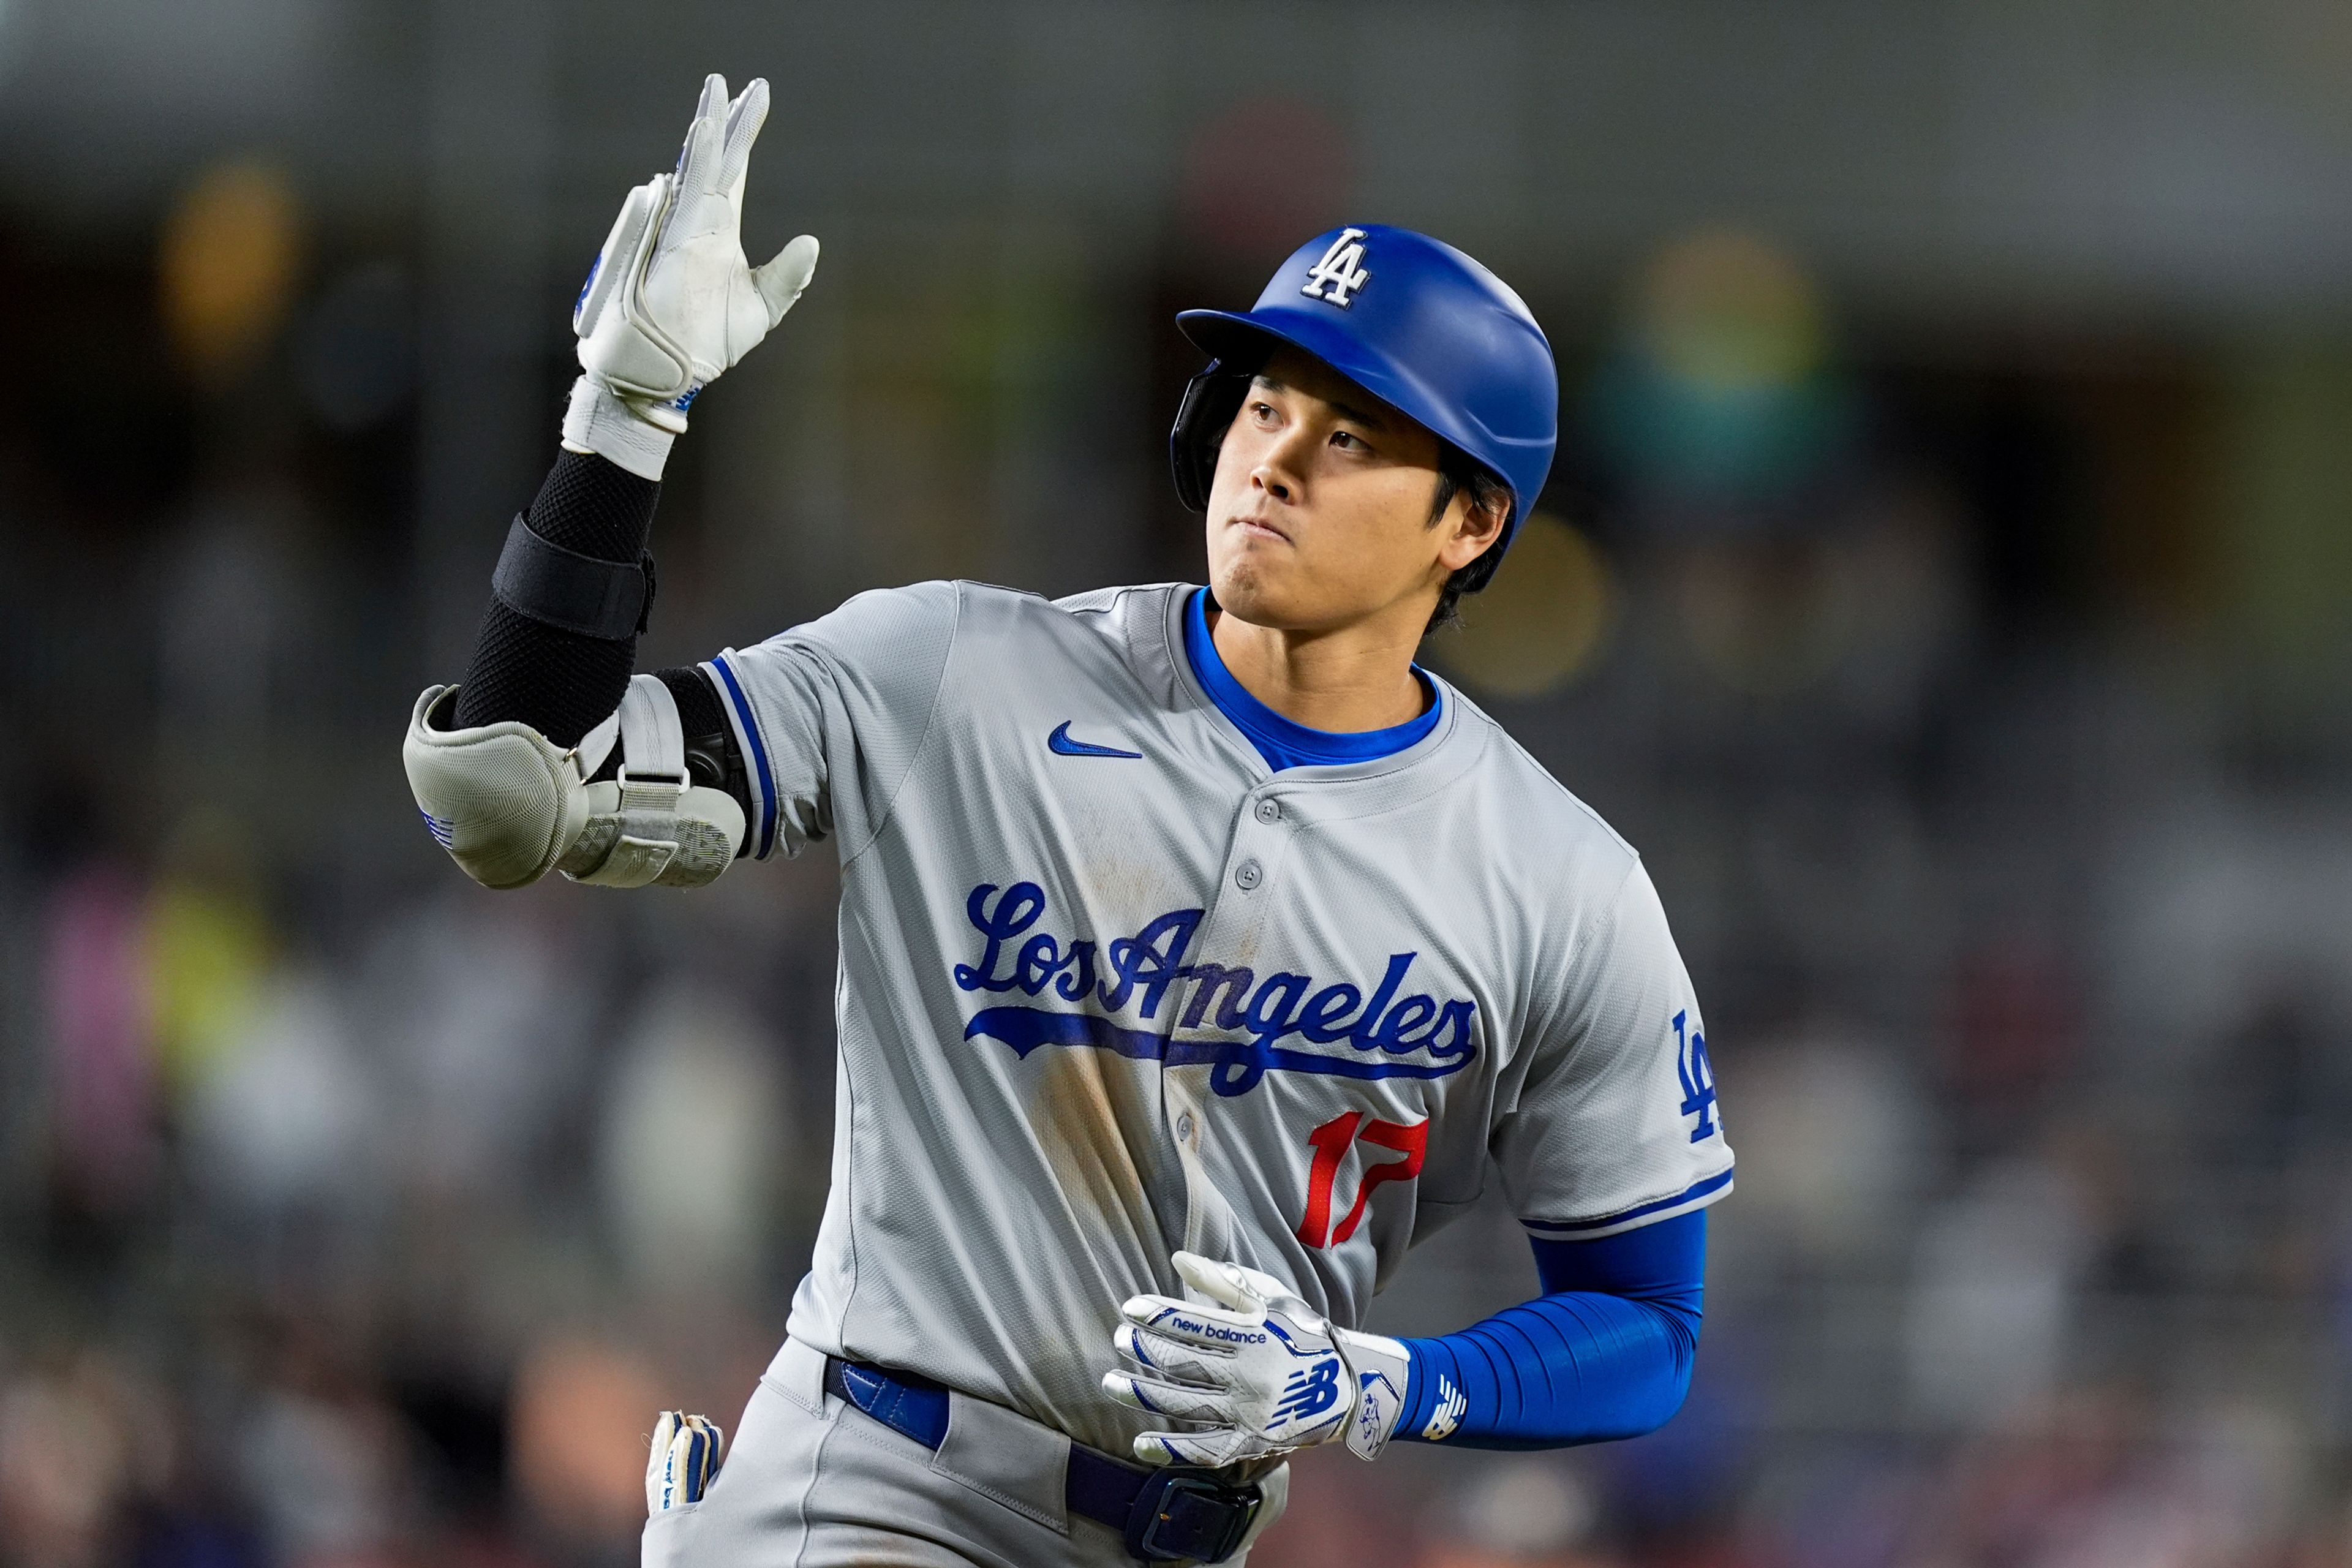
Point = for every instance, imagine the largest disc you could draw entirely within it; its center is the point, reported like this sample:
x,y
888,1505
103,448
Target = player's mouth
x,y
1257,528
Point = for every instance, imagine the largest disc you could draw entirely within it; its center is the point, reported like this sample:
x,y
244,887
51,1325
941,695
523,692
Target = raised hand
x,y
672,301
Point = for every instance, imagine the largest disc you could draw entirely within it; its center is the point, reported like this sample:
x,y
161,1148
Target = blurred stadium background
x,y
1945,582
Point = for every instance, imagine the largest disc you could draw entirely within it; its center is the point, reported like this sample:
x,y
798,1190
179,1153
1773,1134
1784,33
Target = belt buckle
x,y
1189,1513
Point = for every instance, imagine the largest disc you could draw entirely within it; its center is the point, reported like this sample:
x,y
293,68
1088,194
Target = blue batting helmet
x,y
1412,320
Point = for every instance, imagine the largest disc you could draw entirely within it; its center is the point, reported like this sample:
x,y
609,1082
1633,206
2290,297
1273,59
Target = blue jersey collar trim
x,y
1285,742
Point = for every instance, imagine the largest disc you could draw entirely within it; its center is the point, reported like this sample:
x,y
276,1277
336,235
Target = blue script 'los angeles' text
x,y
1387,1035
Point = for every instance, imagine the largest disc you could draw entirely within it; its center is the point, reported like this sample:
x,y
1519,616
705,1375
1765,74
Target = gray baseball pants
x,y
810,1481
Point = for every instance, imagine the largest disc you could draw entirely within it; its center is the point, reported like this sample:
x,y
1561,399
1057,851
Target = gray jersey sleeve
x,y
831,715
1614,1123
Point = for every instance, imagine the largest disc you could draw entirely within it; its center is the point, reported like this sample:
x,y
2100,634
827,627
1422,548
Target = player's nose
x,y
1280,467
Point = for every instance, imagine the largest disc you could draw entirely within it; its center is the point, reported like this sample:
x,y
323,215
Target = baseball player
x,y
1199,950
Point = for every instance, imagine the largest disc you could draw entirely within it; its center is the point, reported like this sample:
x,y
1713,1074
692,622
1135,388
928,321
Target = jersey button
x,y
1247,875
1267,811
1184,1128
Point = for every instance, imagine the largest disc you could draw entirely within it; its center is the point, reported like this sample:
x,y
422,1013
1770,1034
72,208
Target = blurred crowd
x,y
1977,698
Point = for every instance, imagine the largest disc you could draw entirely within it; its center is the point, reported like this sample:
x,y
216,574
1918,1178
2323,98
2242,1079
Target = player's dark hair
x,y
1458,474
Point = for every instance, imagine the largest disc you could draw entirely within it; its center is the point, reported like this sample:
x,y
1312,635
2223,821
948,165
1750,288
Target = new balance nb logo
x,y
1340,274
1308,1393
1060,744
1450,1408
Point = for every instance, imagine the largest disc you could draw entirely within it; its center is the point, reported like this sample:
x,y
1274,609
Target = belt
x,y
1164,1515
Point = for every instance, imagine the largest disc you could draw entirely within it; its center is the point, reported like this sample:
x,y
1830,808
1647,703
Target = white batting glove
x,y
687,1451
671,302
1261,1371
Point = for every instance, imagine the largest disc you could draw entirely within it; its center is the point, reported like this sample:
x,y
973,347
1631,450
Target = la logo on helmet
x,y
1340,272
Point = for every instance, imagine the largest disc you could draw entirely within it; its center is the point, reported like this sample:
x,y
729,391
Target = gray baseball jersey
x,y
1110,987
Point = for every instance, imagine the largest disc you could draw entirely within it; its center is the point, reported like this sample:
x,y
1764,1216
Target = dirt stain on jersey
x,y
1093,1112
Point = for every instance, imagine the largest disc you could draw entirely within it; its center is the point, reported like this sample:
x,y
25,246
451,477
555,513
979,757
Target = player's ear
x,y
1473,522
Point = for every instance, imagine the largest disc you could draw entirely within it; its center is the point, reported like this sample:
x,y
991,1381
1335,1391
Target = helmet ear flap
x,y
1211,400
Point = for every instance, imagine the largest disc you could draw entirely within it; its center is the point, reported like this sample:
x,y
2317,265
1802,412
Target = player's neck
x,y
1356,678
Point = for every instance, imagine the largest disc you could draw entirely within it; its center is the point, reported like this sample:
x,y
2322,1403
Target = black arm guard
x,y
563,682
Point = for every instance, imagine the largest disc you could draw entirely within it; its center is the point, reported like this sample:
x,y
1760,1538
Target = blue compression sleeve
x,y
1605,1352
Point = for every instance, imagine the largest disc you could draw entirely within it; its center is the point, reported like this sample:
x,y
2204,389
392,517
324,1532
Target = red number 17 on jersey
x,y
1330,1142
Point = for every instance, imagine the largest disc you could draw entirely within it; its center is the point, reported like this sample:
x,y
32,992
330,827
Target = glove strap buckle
x,y
1190,1514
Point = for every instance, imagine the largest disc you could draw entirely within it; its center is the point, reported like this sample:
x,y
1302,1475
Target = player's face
x,y
1319,514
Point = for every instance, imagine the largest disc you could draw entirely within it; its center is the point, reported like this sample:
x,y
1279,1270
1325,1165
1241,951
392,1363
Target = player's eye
x,y
1349,441
1261,412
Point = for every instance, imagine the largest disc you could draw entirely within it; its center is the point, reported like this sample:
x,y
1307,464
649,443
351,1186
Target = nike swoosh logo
x,y
1059,742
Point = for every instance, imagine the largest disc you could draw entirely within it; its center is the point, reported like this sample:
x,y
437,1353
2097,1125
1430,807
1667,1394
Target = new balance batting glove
x,y
687,1452
671,302
1258,1373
